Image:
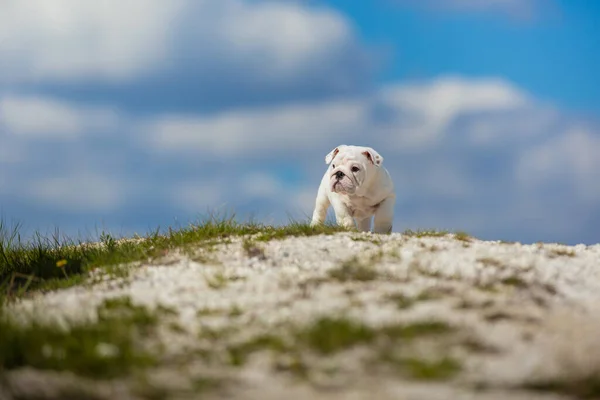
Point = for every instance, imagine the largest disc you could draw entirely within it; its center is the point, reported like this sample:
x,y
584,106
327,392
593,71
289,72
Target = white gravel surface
x,y
530,312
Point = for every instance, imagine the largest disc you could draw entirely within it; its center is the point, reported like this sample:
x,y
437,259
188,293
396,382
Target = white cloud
x,y
260,131
260,185
449,94
10,152
280,38
194,196
420,116
80,191
70,39
111,40
435,178
526,124
303,198
297,199
570,159
433,106
247,187
39,117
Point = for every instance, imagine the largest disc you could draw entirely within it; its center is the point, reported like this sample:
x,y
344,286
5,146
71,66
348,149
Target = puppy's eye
x,y
332,165
355,169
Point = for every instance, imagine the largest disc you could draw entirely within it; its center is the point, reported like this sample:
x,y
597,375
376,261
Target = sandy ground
x,y
526,315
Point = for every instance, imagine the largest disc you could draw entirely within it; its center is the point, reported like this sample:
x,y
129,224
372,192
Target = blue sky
x,y
486,112
554,53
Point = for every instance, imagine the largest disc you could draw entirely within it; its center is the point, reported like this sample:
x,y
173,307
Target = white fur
x,y
361,190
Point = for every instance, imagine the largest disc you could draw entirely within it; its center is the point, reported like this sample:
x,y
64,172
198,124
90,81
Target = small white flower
x,y
107,350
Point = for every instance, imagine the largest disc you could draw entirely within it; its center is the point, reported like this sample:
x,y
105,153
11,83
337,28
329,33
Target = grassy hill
x,y
222,309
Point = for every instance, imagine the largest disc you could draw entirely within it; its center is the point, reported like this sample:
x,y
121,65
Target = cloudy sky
x,y
128,115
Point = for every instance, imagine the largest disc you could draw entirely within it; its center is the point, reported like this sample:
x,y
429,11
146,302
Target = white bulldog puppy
x,y
358,187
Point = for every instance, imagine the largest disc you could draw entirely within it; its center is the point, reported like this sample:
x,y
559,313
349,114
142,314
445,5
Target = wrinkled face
x,y
348,171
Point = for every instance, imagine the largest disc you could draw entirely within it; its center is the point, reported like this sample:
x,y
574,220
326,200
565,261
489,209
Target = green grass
x,y
252,249
293,346
416,330
356,269
462,236
429,370
46,263
54,262
582,387
368,239
490,262
239,353
294,228
419,233
404,302
203,384
561,253
330,335
353,270
106,348
515,281
217,281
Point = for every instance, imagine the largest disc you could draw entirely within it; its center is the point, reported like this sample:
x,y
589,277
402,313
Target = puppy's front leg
x,y
321,205
364,225
342,215
384,216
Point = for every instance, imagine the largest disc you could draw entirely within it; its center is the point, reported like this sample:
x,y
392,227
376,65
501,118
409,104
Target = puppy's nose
x,y
339,175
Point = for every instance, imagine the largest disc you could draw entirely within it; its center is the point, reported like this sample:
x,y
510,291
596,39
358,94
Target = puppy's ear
x,y
373,156
329,157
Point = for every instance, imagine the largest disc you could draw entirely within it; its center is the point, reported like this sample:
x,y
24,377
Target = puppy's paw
x,y
346,223
383,230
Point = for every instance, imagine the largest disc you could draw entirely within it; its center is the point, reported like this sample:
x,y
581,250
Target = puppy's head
x,y
351,168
